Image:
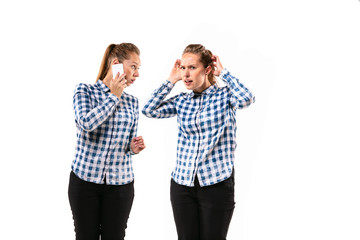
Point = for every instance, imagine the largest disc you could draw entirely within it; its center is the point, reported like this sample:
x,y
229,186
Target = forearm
x,y
156,107
241,96
133,132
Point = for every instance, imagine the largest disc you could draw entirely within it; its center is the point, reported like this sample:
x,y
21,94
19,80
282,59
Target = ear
x,y
115,61
208,70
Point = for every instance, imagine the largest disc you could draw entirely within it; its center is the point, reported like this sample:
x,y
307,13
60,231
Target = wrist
x,y
172,80
117,94
132,151
114,97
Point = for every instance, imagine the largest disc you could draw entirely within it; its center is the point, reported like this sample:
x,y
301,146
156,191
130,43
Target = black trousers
x,y
99,209
203,213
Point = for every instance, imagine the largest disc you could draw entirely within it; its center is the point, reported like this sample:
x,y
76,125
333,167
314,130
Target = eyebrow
x,y
189,65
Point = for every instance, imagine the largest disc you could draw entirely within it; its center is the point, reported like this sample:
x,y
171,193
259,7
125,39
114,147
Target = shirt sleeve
x,y
241,96
134,129
87,116
157,107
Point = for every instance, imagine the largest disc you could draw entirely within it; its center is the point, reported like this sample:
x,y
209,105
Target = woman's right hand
x,y
118,85
175,72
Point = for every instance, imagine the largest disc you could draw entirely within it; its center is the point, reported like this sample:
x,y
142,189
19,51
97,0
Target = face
x,y
131,68
193,73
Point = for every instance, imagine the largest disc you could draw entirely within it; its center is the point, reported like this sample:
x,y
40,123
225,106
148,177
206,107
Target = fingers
x,y
215,59
137,138
217,65
175,76
138,142
215,62
177,63
120,79
140,146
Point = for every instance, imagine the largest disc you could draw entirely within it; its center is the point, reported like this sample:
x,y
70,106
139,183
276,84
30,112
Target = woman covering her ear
x,y
101,187
202,184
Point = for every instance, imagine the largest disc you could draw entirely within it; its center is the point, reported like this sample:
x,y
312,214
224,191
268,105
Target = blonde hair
x,y
205,58
119,51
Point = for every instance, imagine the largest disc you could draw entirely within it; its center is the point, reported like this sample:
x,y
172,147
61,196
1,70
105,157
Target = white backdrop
x,y
297,162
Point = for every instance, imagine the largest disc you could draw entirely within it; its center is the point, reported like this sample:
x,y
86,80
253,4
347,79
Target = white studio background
x,y
297,162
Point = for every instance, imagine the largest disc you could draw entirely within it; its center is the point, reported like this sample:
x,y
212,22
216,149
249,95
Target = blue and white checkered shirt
x,y
105,127
207,128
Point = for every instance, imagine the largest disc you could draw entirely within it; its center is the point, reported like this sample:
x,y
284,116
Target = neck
x,y
107,79
203,87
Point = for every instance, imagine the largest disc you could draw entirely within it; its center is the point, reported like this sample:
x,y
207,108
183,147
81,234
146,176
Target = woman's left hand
x,y
218,66
137,144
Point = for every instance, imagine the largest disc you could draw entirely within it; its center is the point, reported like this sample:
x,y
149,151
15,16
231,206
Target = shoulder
x,y
84,87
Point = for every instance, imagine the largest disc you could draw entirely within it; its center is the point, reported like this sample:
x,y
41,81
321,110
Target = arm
x,y
86,116
133,132
156,107
240,96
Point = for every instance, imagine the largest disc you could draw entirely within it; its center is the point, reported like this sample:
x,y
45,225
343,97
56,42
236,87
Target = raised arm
x,y
240,95
157,106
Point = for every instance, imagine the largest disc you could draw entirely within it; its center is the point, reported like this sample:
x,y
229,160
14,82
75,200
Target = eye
x,y
192,67
182,67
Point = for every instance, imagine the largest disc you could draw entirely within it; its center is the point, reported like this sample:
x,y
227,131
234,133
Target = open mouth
x,y
187,81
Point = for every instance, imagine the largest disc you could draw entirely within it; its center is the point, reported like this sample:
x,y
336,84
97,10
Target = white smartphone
x,y
117,68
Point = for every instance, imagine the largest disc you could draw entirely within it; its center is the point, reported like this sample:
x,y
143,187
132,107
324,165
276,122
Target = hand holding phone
x,y
117,68
117,85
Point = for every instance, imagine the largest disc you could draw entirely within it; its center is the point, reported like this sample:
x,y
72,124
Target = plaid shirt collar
x,y
209,90
99,84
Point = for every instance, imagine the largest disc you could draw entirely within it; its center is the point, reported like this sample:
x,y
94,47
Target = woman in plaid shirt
x,y
202,184
101,189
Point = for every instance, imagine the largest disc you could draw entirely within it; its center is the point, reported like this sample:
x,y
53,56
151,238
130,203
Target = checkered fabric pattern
x,y
105,127
207,128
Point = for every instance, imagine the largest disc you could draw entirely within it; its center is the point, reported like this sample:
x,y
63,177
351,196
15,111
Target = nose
x,y
136,73
187,73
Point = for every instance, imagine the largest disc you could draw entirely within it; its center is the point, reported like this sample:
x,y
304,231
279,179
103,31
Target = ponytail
x,y
104,67
120,51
